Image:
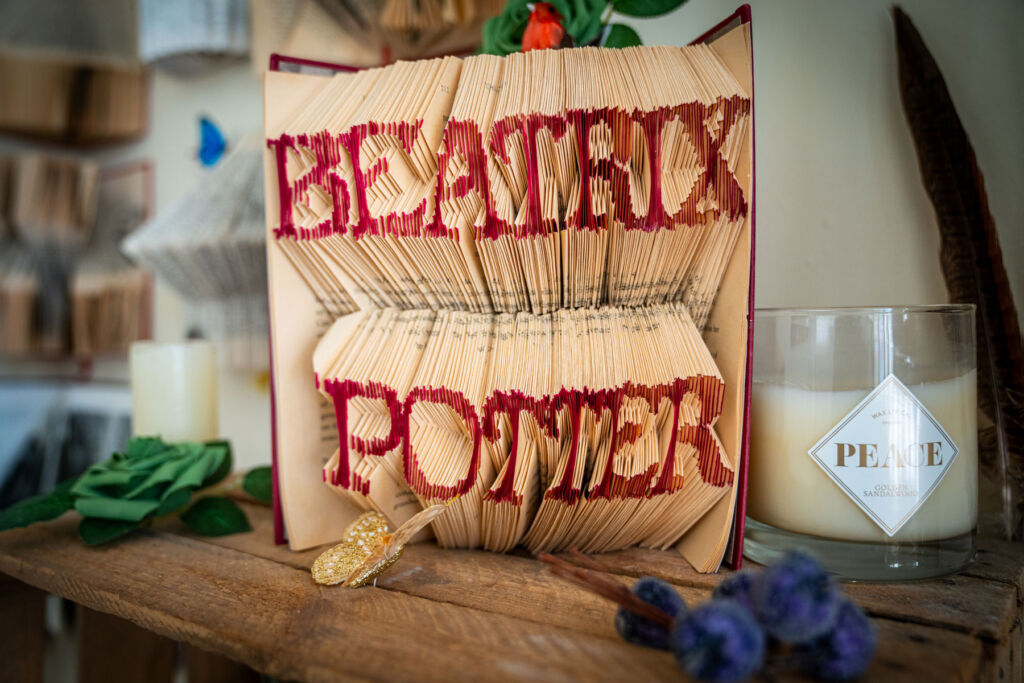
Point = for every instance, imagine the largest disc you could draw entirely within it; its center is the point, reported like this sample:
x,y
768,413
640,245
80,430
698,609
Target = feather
x,y
972,263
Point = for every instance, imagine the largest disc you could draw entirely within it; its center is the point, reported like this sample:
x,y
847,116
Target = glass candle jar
x,y
863,444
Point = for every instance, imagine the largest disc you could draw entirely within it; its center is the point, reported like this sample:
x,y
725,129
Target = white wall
x,y
842,216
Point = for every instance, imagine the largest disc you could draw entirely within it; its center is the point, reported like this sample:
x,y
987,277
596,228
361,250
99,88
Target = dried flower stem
x,y
606,588
588,562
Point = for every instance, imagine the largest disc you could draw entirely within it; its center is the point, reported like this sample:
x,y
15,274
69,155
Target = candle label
x,y
888,454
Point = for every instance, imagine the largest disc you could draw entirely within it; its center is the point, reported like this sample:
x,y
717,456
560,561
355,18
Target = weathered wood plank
x,y
522,587
21,631
1002,661
258,542
113,650
275,619
999,560
438,614
978,604
983,603
207,667
913,653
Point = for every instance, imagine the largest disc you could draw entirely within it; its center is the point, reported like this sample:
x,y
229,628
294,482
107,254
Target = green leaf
x,y
38,508
95,531
115,508
147,463
100,475
620,35
190,447
196,473
165,472
259,484
173,503
144,446
646,8
225,465
491,37
585,23
503,34
216,516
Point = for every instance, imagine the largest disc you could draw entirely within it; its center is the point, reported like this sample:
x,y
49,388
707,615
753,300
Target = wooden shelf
x,y
471,615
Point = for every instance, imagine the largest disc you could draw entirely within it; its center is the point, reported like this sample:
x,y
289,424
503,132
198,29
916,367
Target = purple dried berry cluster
x,y
790,613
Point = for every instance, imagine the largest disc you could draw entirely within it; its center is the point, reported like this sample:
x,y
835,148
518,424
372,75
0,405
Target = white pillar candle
x,y
174,390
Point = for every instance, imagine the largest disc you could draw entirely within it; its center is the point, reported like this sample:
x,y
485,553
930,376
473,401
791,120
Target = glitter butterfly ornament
x,y
367,550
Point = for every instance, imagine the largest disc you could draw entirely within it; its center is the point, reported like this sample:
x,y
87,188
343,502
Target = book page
x,y
306,434
726,334
472,397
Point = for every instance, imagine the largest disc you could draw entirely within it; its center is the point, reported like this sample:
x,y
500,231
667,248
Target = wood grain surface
x,y
471,615
113,649
21,631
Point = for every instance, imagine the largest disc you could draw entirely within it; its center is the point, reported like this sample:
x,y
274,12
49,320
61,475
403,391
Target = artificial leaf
x,y
620,35
491,43
165,472
216,516
503,34
173,503
191,447
38,508
148,462
195,474
94,531
97,476
144,446
646,8
258,483
151,478
224,469
584,23
116,508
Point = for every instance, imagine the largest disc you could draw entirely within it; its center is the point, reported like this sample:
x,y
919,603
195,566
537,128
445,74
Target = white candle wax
x,y
790,491
174,390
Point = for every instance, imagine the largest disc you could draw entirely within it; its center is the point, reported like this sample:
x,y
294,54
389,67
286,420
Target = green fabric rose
x,y
150,479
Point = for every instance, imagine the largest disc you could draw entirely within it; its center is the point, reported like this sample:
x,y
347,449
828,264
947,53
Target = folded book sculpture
x,y
501,269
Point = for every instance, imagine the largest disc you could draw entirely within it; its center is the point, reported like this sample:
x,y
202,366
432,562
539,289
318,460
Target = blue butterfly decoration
x,y
211,142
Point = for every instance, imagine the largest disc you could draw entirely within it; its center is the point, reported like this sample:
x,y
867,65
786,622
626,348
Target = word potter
x,y
545,411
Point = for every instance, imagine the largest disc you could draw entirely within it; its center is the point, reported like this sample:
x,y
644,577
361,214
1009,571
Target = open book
x,y
534,245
